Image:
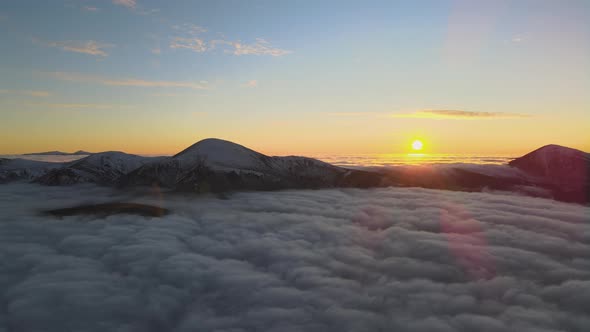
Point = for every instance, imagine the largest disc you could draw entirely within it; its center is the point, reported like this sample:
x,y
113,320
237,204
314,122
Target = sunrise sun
x,y
417,145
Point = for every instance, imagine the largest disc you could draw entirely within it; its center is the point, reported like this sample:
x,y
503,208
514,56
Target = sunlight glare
x,y
417,145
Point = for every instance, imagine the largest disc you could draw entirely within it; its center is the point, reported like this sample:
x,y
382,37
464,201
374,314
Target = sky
x,y
294,77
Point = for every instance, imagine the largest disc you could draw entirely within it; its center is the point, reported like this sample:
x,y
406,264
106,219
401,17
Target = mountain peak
x,y
212,145
82,152
221,153
555,148
556,162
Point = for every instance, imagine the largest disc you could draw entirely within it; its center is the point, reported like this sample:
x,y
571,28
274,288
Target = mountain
x,y
23,169
461,177
81,153
551,171
103,168
555,162
59,153
215,165
562,170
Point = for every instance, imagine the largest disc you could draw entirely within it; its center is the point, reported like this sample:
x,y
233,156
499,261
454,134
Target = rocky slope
x,y
103,168
23,169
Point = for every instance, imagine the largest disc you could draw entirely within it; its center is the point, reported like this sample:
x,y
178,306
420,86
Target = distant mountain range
x,y
218,166
59,153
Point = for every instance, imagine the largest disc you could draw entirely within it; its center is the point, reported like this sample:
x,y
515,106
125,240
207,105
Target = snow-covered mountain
x,y
23,169
102,168
217,165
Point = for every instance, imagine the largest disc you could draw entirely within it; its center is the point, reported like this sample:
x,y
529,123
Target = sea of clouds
x,y
394,259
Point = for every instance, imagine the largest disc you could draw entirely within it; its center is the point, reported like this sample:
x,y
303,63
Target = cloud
x,y
517,38
133,82
192,38
31,93
155,84
195,44
189,28
458,114
168,94
399,259
260,47
355,114
90,47
126,3
135,7
90,9
251,84
156,51
79,106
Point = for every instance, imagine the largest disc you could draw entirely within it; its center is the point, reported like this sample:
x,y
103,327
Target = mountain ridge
x,y
216,165
58,153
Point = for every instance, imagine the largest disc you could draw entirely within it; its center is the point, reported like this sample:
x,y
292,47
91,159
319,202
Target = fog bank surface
x,y
395,259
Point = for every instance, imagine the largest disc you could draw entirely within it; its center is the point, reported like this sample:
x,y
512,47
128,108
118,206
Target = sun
x,y
417,145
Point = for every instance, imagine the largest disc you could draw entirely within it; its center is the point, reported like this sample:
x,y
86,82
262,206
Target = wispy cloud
x,y
517,38
168,95
260,47
200,45
90,47
79,106
189,28
126,3
155,84
192,38
356,114
433,114
195,44
90,9
251,84
458,114
134,82
32,93
135,7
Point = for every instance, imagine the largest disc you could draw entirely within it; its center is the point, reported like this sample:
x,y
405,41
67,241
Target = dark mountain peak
x,y
81,153
58,153
555,149
555,162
